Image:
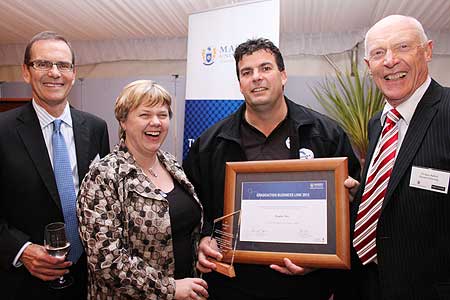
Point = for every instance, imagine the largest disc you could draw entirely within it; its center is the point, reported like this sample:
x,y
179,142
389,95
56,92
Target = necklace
x,y
151,171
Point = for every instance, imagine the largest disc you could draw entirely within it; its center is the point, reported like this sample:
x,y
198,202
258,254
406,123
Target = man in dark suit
x,y
29,196
401,223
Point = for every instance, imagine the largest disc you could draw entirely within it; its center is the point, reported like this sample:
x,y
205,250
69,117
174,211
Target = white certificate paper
x,y
284,212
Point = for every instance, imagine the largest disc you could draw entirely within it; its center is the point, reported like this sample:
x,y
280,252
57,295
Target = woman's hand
x,y
207,249
191,289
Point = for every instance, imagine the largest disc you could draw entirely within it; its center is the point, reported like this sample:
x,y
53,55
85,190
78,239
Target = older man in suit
x,y
401,233
31,193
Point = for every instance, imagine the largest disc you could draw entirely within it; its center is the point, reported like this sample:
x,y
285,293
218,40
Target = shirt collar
x,y
408,107
46,119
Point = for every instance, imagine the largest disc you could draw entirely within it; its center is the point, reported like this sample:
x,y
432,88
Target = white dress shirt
x,y
406,110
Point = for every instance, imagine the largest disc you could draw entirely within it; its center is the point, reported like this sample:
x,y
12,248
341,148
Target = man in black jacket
x,y
268,126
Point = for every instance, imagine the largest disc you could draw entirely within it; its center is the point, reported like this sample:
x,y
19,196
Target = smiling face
x,y
50,88
397,57
146,129
260,80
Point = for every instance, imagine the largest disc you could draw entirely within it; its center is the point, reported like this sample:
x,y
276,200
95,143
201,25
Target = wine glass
x,y
57,245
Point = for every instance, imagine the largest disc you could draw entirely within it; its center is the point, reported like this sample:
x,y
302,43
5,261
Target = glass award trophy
x,y
224,238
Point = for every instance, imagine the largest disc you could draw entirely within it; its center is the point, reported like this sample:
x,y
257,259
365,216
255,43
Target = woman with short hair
x,y
139,214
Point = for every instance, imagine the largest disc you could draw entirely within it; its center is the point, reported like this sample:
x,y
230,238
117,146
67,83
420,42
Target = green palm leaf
x,y
351,101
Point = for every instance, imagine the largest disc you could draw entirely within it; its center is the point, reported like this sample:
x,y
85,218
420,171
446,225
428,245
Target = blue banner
x,y
212,87
202,114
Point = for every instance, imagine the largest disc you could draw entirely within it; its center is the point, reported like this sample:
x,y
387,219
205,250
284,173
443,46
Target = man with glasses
x,y
33,191
401,224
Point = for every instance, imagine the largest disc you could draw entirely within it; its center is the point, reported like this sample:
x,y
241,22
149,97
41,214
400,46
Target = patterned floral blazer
x,y
125,228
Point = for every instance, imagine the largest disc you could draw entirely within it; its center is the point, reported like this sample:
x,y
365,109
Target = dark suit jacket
x,y
413,232
28,194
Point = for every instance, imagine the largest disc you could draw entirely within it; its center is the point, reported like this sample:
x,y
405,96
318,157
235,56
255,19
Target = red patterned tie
x,y
364,239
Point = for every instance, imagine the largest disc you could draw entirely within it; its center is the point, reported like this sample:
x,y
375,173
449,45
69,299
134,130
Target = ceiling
x,y
307,26
119,19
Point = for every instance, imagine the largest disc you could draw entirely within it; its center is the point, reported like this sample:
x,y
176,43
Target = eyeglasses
x,y
379,54
45,65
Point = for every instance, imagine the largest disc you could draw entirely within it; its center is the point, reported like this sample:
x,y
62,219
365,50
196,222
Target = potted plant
x,y
351,99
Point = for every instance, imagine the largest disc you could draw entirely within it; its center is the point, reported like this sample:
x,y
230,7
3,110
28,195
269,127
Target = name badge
x,y
429,179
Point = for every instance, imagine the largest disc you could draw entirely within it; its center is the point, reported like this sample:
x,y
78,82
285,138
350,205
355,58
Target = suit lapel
x,y
421,120
30,132
81,136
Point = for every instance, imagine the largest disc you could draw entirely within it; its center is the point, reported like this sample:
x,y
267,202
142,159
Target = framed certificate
x,y
297,209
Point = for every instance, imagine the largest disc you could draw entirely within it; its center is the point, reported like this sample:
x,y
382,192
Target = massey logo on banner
x,y
212,88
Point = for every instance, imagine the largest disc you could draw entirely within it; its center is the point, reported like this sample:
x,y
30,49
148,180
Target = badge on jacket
x,y
305,153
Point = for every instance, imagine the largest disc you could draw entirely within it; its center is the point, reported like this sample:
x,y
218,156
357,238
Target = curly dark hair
x,y
45,35
253,45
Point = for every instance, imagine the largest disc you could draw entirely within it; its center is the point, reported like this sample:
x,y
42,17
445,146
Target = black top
x,y
184,216
259,147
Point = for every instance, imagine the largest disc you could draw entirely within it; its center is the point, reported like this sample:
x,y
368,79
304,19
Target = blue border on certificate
x,y
285,190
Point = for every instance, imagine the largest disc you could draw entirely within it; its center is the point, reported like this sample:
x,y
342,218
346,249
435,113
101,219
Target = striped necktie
x,y
66,190
364,239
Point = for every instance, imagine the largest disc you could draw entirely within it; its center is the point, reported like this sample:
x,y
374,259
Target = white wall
x,y
308,65
97,93
98,96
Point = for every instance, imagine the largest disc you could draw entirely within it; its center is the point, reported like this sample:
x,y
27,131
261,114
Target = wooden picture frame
x,y
331,251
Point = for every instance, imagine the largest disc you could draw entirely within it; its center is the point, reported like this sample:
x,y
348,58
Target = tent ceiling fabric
x,y
115,30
